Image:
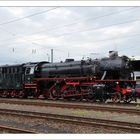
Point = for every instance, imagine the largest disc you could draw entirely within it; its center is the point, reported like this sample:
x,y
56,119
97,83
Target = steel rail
x,y
93,122
76,106
16,130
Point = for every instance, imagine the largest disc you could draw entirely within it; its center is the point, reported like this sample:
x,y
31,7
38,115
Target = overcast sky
x,y
29,33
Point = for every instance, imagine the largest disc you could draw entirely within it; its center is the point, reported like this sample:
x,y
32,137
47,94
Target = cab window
x,y
27,70
30,70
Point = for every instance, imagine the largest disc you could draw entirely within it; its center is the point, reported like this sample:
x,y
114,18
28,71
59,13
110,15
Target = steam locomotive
x,y
91,80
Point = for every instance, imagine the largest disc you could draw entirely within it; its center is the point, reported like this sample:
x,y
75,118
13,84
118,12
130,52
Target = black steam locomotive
x,y
98,79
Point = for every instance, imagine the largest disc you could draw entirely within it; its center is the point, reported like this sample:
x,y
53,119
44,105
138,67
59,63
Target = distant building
x,y
136,68
137,75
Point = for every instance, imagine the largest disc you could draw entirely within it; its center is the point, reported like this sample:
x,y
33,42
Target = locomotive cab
x,y
29,72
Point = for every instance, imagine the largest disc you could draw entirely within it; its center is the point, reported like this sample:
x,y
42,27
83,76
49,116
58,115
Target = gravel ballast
x,y
47,126
76,112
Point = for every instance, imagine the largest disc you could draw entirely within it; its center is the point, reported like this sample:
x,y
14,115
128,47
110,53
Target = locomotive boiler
x,y
113,67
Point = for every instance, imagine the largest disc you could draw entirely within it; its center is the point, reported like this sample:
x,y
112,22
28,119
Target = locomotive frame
x,y
76,88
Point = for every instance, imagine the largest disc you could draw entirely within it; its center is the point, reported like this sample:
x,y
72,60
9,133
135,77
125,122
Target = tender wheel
x,y
116,97
5,94
12,94
21,94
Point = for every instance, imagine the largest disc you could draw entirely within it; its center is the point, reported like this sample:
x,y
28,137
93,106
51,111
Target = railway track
x,y
82,121
10,129
76,106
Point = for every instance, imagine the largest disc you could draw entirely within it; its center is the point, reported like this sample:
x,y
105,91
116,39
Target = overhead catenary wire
x,y
28,16
87,19
89,29
137,34
92,18
18,19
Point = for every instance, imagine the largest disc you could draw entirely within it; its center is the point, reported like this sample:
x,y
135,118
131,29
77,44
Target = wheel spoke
x,y
116,97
